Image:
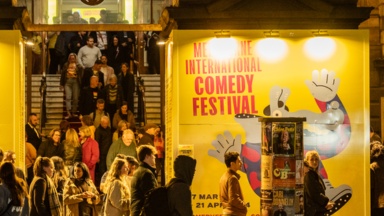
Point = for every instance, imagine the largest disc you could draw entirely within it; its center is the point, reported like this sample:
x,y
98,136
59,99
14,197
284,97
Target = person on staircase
x,y
113,96
124,114
89,96
70,82
93,71
99,112
126,80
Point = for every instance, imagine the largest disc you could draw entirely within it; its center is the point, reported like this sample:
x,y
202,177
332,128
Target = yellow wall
x,y
12,90
201,106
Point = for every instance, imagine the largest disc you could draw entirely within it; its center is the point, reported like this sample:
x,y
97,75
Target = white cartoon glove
x,y
323,86
223,144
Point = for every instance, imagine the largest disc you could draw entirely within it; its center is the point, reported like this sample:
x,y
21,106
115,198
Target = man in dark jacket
x,y
149,135
103,136
179,192
89,96
144,179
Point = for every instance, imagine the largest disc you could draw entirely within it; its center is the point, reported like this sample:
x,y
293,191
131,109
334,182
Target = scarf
x,y
53,197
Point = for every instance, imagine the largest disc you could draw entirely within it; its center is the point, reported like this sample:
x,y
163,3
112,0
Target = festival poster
x,y
299,201
266,172
266,201
299,172
299,145
284,172
283,202
283,138
266,148
215,105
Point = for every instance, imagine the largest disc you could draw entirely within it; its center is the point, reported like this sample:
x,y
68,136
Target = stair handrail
x,y
43,94
141,111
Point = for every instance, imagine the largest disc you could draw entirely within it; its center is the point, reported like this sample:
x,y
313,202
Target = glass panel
x,y
95,11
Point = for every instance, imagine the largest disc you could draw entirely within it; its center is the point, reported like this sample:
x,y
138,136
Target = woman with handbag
x,y
44,198
13,192
118,194
80,194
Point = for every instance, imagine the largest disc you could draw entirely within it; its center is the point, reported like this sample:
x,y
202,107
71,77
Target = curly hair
x,y
16,185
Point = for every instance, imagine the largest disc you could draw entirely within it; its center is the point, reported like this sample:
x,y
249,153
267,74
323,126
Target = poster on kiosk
x,y
219,83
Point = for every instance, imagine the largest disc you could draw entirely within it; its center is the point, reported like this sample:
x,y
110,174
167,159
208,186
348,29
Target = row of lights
x,y
271,48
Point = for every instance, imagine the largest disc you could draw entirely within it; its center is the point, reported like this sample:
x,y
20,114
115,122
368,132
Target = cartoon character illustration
x,y
327,132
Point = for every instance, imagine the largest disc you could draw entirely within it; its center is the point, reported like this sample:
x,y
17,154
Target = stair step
x,y
152,89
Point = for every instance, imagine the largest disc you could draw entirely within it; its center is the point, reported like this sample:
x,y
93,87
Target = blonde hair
x,y
72,138
114,173
52,132
310,154
87,132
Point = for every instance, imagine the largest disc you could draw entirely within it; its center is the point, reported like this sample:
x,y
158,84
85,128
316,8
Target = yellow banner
x,y
218,87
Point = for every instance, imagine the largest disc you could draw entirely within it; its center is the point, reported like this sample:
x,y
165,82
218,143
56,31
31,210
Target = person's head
x,y
64,125
92,20
119,168
313,159
184,167
146,154
72,138
94,81
43,167
72,58
76,16
103,15
104,121
80,171
377,151
128,137
10,156
33,119
90,41
150,128
281,207
124,67
284,136
104,59
122,125
232,160
133,164
87,120
70,18
113,80
100,104
97,65
16,186
115,40
60,168
84,132
124,107
55,135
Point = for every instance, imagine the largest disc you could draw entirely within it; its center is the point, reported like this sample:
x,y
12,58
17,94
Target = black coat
x,y
88,99
143,180
314,194
32,136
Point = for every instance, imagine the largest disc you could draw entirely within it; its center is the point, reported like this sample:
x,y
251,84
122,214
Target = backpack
x,y
156,201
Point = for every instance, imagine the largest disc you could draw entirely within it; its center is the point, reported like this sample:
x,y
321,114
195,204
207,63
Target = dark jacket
x,y
38,193
314,194
103,136
179,192
32,136
87,101
147,139
48,149
87,74
72,154
143,180
119,95
377,184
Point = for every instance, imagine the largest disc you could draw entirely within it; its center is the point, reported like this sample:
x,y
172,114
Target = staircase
x,y
55,104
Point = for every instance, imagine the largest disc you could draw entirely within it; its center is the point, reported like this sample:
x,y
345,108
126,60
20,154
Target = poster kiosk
x,y
282,177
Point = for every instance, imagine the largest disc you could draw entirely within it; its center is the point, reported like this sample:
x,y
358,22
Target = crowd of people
x,y
87,173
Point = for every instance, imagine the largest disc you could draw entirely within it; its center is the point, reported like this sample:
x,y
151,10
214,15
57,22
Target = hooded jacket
x,y
179,192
